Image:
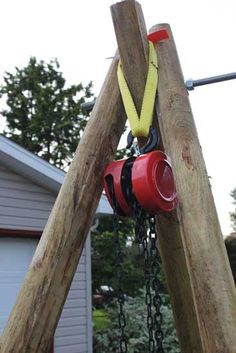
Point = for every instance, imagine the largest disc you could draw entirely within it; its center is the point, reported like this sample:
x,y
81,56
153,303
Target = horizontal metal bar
x,y
190,84
87,106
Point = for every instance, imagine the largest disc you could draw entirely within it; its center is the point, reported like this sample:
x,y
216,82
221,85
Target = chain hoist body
x,y
148,179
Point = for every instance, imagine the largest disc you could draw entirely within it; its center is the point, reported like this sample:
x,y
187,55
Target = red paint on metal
x,y
150,180
114,170
153,182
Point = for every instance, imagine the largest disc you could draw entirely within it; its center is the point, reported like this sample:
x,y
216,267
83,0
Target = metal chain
x,y
118,263
148,240
141,238
151,270
156,284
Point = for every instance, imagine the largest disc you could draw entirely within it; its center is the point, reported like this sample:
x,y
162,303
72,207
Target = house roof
x,y
34,168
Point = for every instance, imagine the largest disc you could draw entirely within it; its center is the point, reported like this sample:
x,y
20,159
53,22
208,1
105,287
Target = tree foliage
x,y
136,328
104,257
233,214
42,114
104,249
230,243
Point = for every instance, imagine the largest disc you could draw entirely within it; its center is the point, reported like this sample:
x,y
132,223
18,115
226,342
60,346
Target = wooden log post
x,y
131,34
34,318
200,238
131,31
198,273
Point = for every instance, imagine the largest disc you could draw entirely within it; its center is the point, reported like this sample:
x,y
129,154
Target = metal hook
x,y
151,143
130,139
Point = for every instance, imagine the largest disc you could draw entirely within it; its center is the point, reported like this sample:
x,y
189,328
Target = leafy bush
x,y
136,330
101,320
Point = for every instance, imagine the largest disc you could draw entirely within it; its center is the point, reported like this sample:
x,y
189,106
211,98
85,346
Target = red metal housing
x,y
113,174
147,178
153,182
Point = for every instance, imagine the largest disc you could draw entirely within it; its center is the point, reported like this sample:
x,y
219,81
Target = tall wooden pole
x,y
131,32
199,238
200,281
33,320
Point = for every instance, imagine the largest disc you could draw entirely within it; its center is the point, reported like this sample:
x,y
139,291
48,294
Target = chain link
x,y
141,238
148,241
146,236
156,284
119,272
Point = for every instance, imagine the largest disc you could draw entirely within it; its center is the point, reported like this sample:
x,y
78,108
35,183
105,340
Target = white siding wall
x,y
74,327
24,205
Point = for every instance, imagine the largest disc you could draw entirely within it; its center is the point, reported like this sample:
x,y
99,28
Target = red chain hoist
x,y
140,187
147,179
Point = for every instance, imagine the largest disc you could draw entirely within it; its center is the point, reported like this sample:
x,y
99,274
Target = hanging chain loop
x,y
156,284
146,236
118,264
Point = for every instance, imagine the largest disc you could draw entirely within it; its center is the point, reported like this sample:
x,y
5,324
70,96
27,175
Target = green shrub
x,y
101,320
136,331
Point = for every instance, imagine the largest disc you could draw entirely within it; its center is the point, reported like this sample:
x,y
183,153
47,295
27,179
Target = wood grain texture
x,y
198,237
33,320
131,35
179,283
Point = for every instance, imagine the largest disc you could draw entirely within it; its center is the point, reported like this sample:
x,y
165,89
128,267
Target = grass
x,y
101,320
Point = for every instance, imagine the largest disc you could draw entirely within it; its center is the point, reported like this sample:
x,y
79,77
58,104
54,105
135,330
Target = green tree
x,y
230,244
233,214
104,257
230,241
42,114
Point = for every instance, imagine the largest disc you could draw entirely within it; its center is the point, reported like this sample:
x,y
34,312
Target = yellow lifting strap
x,y
140,126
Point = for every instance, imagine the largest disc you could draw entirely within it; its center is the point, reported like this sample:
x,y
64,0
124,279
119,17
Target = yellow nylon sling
x,y
140,126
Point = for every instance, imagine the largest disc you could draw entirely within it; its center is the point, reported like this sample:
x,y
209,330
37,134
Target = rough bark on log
x,y
200,239
34,318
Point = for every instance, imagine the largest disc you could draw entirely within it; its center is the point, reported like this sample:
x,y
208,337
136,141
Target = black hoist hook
x,y
152,141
